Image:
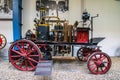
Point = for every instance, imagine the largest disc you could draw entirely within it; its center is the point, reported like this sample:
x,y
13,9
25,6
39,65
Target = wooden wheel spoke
x,y
33,55
16,56
30,46
79,54
1,45
31,51
26,64
31,64
3,40
21,64
102,69
32,60
93,60
17,52
102,58
22,45
97,69
94,68
91,64
96,57
15,61
101,55
19,47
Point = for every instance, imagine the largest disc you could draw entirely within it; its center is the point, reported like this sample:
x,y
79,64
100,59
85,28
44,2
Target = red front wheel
x,y
99,63
24,55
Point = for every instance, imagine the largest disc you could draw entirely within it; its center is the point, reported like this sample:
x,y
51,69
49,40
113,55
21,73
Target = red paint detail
x,y
0,41
83,35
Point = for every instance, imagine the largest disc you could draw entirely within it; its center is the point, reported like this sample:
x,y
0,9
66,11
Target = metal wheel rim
x,y
24,55
99,63
3,41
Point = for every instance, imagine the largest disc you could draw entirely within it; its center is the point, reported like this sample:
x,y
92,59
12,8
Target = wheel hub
x,y
102,65
24,55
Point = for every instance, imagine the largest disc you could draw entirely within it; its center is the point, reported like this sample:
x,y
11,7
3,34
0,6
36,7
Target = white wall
x,y
107,24
74,10
7,30
29,13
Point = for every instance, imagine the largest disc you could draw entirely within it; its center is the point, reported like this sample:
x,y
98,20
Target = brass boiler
x,y
68,30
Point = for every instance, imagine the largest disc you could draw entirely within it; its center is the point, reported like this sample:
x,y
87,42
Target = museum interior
x,y
59,39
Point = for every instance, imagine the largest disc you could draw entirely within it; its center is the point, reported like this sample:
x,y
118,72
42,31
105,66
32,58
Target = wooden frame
x,y
59,8
5,10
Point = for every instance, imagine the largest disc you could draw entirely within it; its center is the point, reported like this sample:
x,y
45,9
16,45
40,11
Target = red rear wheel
x,y
3,41
24,55
99,63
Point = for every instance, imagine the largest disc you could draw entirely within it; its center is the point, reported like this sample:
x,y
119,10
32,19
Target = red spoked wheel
x,y
83,53
24,55
99,63
3,41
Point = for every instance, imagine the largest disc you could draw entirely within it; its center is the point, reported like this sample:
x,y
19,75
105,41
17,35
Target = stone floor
x,y
62,70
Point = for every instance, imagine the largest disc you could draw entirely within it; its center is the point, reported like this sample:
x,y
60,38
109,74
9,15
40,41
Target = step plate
x,y
44,68
63,58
